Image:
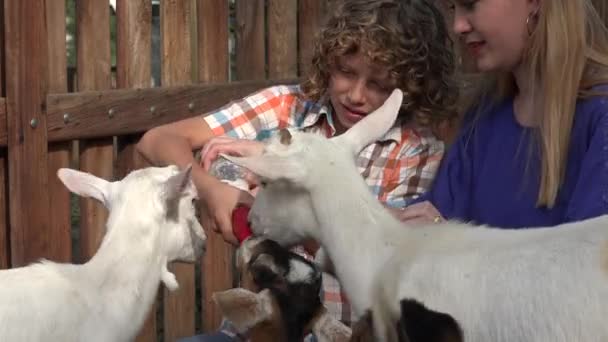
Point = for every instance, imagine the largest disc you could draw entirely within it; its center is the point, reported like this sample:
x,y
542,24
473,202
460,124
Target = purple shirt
x,y
491,176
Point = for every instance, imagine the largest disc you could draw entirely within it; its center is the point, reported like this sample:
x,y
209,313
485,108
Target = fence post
x,y
59,152
94,73
4,219
176,61
133,70
26,90
212,45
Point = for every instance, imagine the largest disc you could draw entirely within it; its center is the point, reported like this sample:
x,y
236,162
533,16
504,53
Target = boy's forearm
x,y
161,149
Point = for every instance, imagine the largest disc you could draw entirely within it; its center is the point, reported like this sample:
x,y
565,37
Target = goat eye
x,y
263,184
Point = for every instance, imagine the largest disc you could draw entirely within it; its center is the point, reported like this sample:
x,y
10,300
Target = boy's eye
x,y
469,4
345,70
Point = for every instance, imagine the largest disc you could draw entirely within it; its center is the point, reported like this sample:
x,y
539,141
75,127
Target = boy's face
x,y
357,88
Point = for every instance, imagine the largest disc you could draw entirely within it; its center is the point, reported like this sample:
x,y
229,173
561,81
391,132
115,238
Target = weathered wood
x,y
212,40
250,45
310,17
96,156
59,153
3,122
26,88
131,108
282,38
4,219
602,9
133,43
217,272
4,232
133,69
2,52
176,66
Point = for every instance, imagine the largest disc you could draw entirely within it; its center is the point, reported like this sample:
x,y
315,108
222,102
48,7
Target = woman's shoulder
x,y
593,105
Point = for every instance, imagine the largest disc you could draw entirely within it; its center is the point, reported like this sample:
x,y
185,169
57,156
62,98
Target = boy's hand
x,y
419,213
218,200
226,145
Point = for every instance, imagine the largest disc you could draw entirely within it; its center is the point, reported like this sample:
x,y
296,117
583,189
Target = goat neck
x,y
127,268
357,232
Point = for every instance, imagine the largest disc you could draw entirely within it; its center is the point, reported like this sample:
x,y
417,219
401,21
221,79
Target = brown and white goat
x,y
280,296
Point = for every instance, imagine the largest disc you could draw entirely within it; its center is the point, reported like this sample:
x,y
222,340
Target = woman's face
x,y
357,88
494,32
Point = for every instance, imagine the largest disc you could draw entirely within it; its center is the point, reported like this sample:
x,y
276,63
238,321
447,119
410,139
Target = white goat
x,y
546,284
151,222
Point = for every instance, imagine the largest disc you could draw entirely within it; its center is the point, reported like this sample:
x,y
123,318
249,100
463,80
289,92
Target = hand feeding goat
x,y
544,284
280,296
151,222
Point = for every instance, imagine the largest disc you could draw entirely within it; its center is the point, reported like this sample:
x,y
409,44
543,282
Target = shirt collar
x,y
316,111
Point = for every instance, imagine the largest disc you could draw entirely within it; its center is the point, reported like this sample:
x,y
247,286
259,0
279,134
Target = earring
x,y
531,16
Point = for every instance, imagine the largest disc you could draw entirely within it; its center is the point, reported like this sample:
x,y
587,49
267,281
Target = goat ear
x,y
375,125
271,167
175,187
243,308
85,184
327,328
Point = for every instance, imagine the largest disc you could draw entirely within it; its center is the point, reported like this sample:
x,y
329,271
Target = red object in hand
x,y
240,224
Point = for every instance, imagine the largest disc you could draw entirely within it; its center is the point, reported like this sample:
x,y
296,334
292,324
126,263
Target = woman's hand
x,y
418,213
230,146
217,201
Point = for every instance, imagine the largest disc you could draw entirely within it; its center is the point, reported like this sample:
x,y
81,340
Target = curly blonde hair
x,y
409,37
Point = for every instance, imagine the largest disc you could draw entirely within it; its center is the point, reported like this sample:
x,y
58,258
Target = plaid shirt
x,y
397,168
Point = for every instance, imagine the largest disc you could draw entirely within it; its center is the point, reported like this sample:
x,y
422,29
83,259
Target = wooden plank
x,y
59,153
602,9
212,40
88,111
310,17
282,38
3,122
176,66
2,52
133,43
250,46
26,90
217,272
96,156
4,232
133,58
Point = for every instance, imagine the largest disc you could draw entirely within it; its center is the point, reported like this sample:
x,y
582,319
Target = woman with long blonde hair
x,y
533,148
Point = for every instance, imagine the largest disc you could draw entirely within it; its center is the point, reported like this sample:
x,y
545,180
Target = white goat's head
x,y
162,198
295,164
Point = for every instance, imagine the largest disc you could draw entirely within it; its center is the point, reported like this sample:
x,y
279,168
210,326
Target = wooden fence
x,y
47,108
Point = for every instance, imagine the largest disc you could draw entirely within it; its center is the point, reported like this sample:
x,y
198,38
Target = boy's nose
x,y
461,24
356,94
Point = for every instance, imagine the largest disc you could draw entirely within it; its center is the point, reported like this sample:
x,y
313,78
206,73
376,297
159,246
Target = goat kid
x,y
543,284
280,296
152,222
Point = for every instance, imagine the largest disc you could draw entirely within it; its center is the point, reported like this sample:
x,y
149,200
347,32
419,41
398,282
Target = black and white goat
x,y
279,299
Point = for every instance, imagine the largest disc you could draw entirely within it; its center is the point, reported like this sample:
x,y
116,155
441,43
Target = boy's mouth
x,y
475,47
353,115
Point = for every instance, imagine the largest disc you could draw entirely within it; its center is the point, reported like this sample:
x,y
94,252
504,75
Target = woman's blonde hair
x,y
567,56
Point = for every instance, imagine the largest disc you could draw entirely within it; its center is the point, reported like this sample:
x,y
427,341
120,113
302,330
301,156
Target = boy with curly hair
x,y
366,49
